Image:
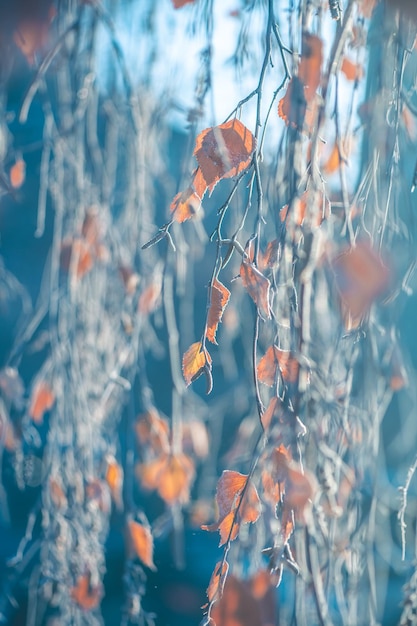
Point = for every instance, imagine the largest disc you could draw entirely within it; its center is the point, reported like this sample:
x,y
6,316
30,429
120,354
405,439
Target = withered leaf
x,y
238,502
223,151
185,205
237,607
267,366
114,479
219,298
309,70
153,430
352,71
197,361
141,542
171,475
257,285
217,581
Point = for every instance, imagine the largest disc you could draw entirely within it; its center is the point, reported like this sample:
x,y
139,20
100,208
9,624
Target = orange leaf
x,y
185,205
219,298
43,399
238,502
141,542
195,362
292,107
17,174
270,257
267,366
217,581
114,479
224,151
170,475
175,479
153,429
271,410
84,595
257,285
352,71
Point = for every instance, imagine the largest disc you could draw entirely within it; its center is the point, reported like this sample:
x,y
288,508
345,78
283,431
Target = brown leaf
x,y
197,361
257,285
218,301
270,257
141,542
271,411
86,596
42,400
186,204
274,358
267,366
17,174
224,151
238,502
171,475
217,581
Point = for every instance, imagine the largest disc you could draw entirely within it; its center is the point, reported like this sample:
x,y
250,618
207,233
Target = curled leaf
x,y
257,285
238,502
217,581
219,298
197,361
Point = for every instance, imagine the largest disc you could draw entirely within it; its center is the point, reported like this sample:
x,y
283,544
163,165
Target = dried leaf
x,y
197,361
218,301
114,479
224,151
186,204
292,107
270,257
257,285
86,596
17,174
217,581
141,542
271,411
267,366
170,475
43,399
274,358
238,502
